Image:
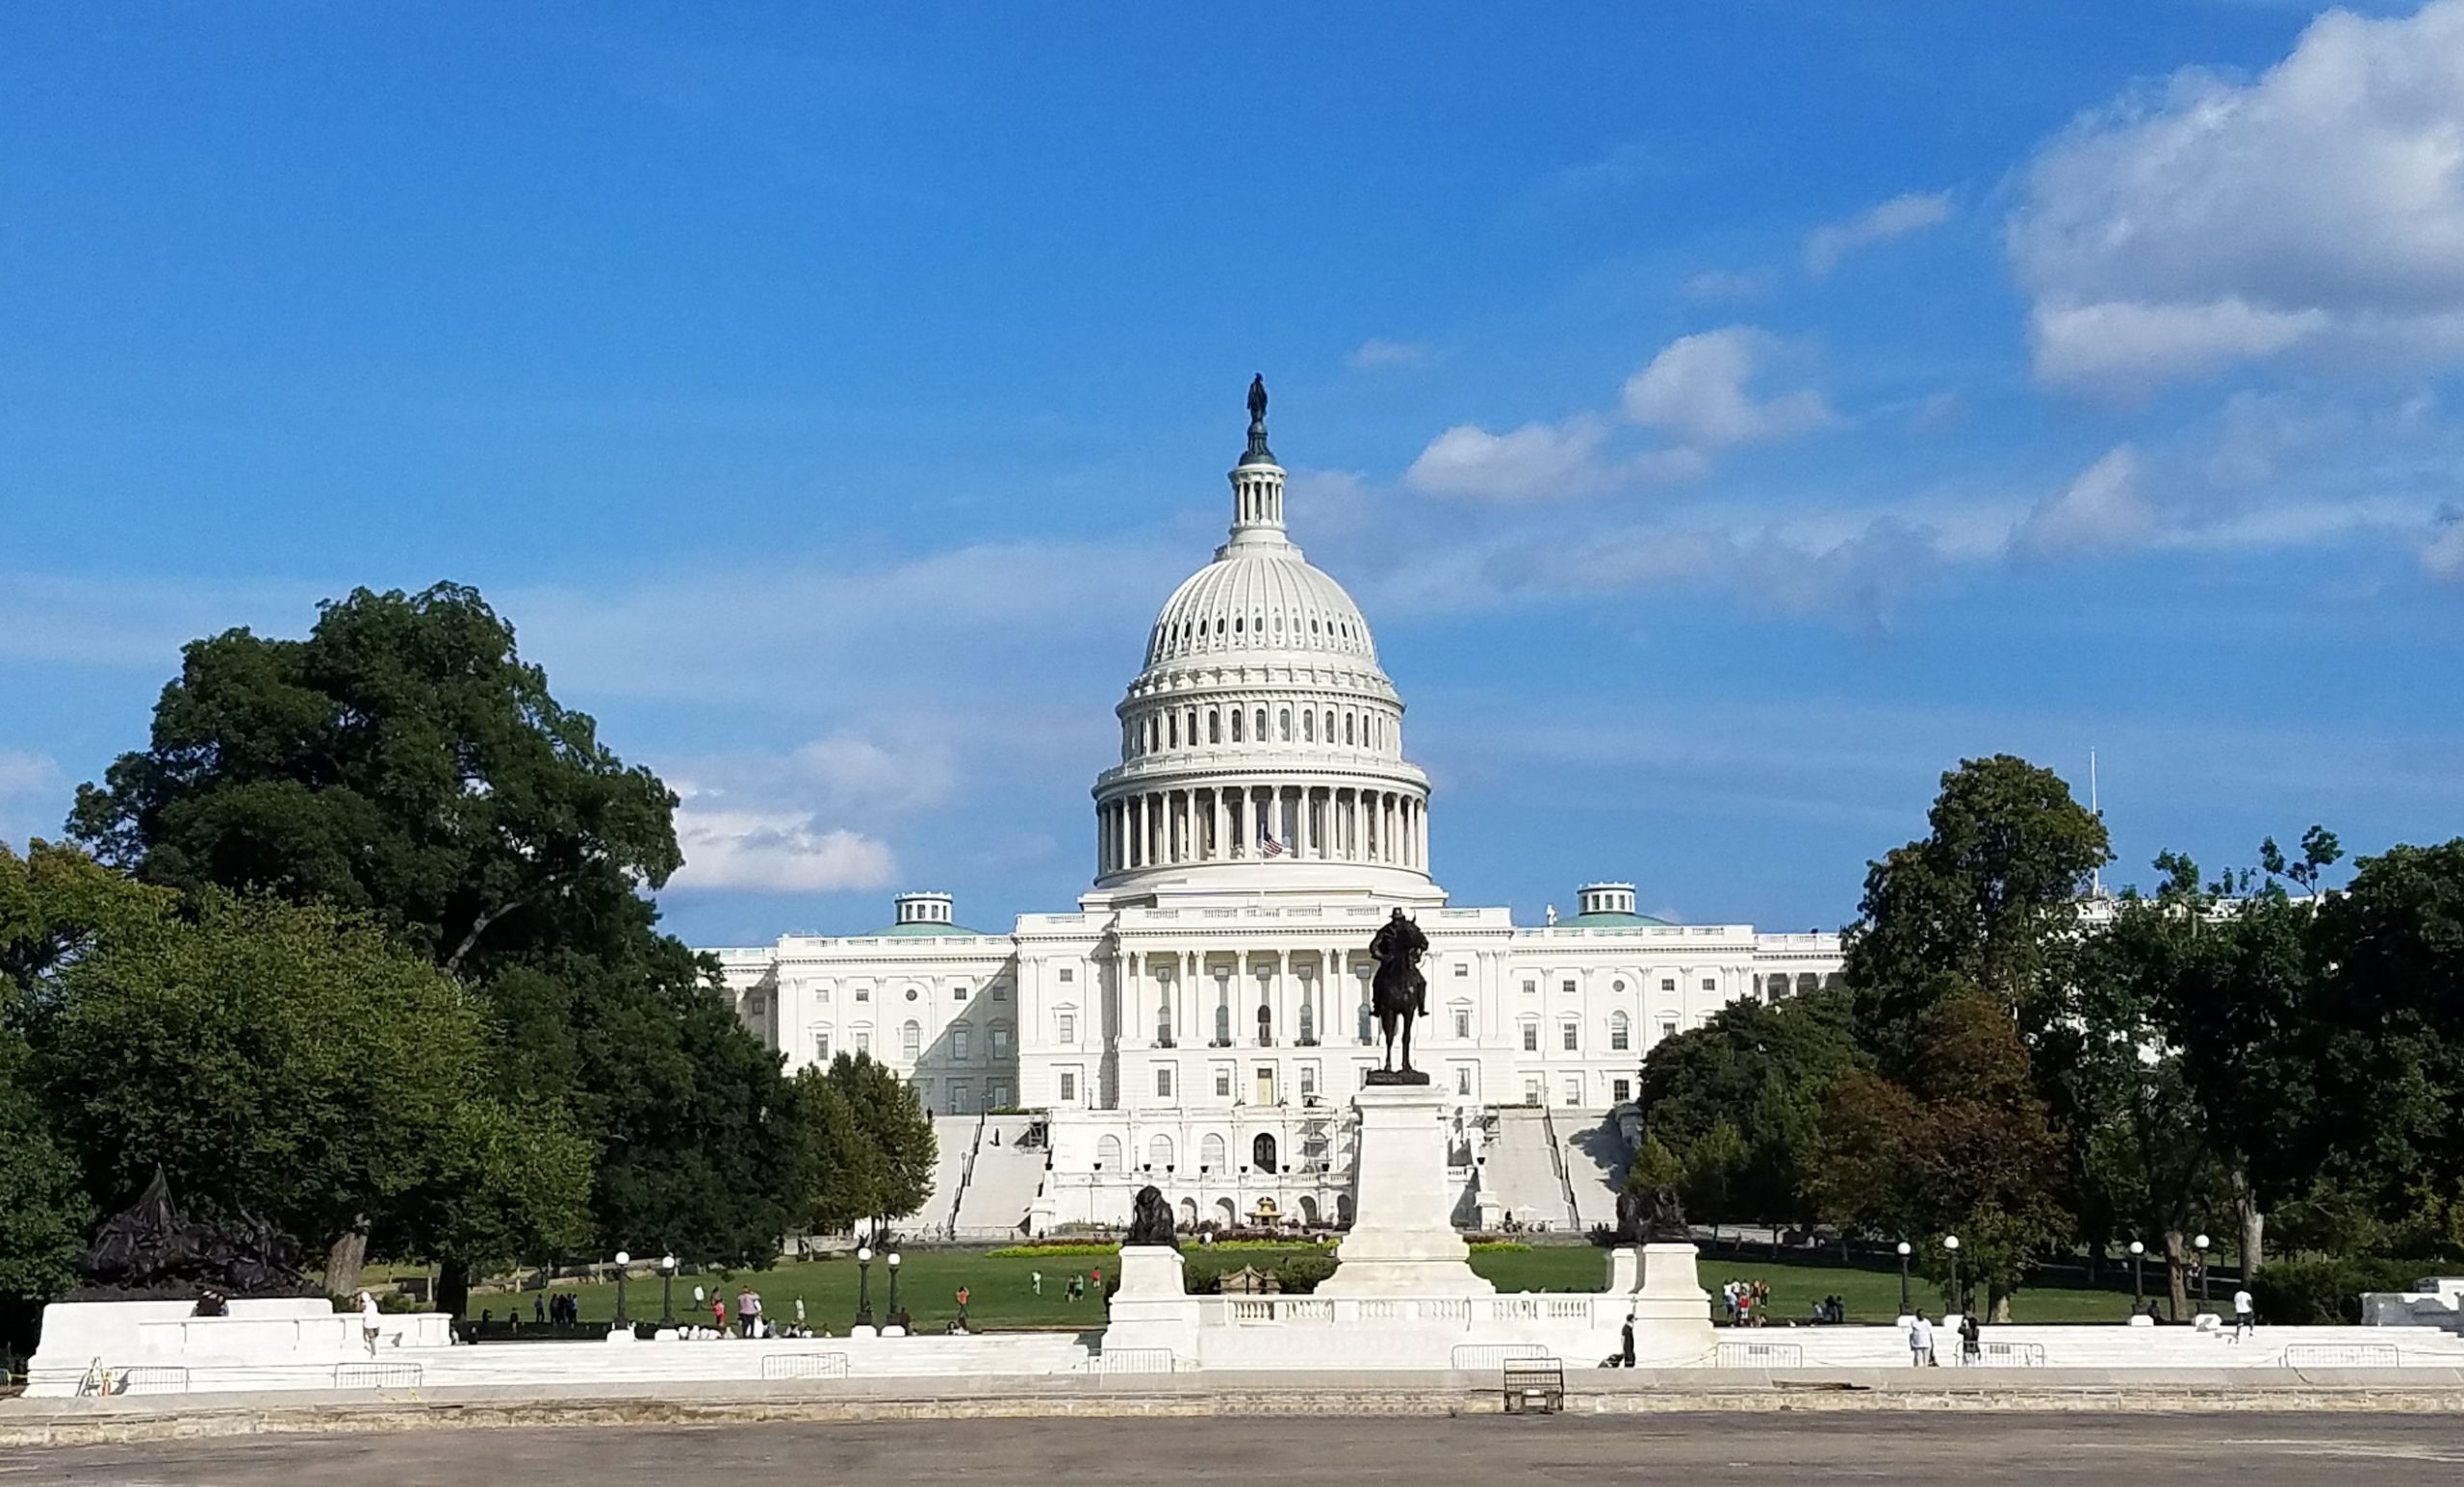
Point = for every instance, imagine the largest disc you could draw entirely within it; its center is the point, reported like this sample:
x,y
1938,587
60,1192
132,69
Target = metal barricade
x,y
1761,1355
804,1365
378,1376
2341,1355
1481,1357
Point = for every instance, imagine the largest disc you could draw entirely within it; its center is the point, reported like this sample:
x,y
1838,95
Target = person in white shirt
x,y
367,1321
1920,1340
2244,1320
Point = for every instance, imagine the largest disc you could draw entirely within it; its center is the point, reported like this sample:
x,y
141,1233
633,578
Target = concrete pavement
x,y
1715,1450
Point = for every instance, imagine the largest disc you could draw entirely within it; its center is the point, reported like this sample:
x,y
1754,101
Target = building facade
x,y
1201,1018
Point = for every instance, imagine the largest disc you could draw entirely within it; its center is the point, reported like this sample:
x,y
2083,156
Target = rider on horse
x,y
1400,993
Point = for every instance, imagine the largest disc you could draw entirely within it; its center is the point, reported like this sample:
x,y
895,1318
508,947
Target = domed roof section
x,y
1260,600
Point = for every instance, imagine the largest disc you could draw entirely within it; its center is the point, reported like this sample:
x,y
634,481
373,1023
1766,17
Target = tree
x,y
402,760
1988,899
55,903
885,1145
44,1212
1963,1147
1761,1073
287,1060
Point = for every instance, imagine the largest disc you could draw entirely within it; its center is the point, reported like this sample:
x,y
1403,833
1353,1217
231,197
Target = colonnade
x,y
1234,823
1253,999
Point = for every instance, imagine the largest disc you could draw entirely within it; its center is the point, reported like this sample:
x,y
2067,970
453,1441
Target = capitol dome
x,y
1261,743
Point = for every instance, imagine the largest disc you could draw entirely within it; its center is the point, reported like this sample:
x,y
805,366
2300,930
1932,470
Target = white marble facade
x,y
1199,1020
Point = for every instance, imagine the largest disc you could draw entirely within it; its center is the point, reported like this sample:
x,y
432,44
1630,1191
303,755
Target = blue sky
x,y
1729,413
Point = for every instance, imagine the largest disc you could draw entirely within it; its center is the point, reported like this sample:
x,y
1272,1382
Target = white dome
x,y
1259,600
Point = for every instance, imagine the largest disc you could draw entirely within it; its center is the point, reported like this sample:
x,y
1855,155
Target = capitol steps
x,y
1003,1182
1520,1173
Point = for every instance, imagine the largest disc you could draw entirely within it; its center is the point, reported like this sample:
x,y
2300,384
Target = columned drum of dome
x,y
1261,745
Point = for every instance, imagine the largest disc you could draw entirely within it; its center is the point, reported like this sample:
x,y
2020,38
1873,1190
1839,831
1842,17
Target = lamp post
x,y
2137,1291
621,1260
1904,1250
1951,1242
893,1289
2200,1243
667,1291
863,1285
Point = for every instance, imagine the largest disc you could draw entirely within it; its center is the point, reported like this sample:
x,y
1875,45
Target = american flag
x,y
1267,846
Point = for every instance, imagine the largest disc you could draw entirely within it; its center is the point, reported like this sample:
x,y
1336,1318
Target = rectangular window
x,y
1668,983
1531,1038
1000,1042
1463,1022
957,994
1668,1027
1067,975
1463,1080
1530,1091
1530,987
1567,1033
821,1046
1308,1080
864,1043
958,1043
961,1097
1574,1089
997,1096
1163,1082
1223,1084
1624,1090
1068,1021
863,993
1710,984
1068,1086
1618,1040
1567,986
1001,993
1462,967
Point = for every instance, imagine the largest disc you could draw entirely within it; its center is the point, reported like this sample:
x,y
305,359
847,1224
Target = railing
x,y
804,1365
1136,1360
1761,1355
2343,1356
2023,1356
1481,1357
1445,1310
143,1378
378,1376
1557,1164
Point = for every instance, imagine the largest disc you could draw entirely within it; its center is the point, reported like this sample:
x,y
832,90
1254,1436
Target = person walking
x,y
1034,1278
800,1314
1625,1341
1920,1340
2246,1317
1971,1341
748,1311
963,1294
719,1313
367,1325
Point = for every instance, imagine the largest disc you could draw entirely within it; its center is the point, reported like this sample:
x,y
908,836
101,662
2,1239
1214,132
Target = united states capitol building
x,y
1200,1020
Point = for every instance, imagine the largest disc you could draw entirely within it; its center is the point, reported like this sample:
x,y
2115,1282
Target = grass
x,y
1002,1293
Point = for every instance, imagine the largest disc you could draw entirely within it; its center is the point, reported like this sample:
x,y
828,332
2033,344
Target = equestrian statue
x,y
1399,994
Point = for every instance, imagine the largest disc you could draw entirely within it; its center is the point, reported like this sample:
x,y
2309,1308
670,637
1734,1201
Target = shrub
x,y
1053,1247
1498,1246
2326,1291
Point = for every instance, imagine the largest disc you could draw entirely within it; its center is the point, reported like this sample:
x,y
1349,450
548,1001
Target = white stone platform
x,y
1403,1242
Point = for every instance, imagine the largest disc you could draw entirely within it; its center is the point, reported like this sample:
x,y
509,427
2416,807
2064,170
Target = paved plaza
x,y
2110,1450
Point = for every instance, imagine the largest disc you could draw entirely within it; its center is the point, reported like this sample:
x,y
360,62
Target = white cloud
x,y
1535,462
859,773
1696,391
1910,213
2317,209
1379,355
2442,556
1727,284
2104,510
775,852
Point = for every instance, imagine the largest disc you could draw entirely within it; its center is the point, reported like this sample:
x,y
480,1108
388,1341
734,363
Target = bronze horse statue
x,y
1400,993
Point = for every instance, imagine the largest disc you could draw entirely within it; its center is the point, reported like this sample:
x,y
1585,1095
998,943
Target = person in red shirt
x,y
719,1313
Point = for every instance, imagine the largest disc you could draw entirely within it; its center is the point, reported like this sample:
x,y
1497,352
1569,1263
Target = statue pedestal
x,y
1659,1288
1153,1307
1402,1240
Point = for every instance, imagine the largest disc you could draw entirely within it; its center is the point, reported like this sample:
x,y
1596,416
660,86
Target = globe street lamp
x,y
893,1289
2137,1292
863,1285
1951,1242
1904,1250
2200,1243
667,1291
621,1260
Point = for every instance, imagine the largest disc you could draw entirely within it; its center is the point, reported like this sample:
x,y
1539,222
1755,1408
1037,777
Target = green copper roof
x,y
1610,921
918,930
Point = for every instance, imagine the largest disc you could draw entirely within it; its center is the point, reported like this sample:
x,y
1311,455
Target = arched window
x,y
1192,728
1107,1154
1365,1018
1210,1152
1163,1015
1308,728
1621,1033
911,1039
1261,1152
1283,724
1261,734
1236,725
1215,725
1266,1026
1173,731
1308,1024
1348,727
1330,725
1222,1025
1159,1152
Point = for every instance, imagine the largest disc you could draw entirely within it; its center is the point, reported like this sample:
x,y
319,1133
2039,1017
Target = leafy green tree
x,y
402,760
1654,1166
44,1212
1989,899
55,903
890,1139
288,1060
1761,1073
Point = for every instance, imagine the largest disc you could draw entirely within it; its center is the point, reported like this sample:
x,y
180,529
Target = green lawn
x,y
1003,1295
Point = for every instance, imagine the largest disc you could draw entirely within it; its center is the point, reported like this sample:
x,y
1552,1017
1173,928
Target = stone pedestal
x,y
1153,1307
1402,1240
1659,1288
